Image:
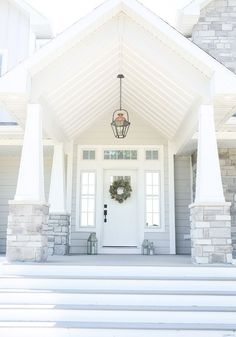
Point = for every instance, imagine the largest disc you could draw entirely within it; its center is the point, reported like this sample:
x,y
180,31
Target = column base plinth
x,y
27,232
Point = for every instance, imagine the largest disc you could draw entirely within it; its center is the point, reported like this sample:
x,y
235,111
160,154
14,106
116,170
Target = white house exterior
x,y
57,104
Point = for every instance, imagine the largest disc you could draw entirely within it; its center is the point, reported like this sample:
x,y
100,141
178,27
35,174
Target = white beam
x,y
209,187
57,186
30,185
187,129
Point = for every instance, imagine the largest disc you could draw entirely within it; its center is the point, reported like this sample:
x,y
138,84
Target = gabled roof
x,y
39,23
74,76
189,16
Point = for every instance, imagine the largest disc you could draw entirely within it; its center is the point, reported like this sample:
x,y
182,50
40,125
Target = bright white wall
x,y
14,33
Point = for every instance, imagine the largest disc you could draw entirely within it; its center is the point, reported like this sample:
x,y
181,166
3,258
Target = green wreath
x,y
120,190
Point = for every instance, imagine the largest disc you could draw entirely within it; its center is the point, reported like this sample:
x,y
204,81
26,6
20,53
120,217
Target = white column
x,y
57,186
209,187
30,184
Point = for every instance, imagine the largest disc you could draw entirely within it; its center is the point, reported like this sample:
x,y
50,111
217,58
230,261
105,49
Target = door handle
x,y
105,213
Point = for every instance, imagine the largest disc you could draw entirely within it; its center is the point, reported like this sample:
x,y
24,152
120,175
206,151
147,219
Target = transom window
x,y
151,154
152,183
87,209
89,155
120,155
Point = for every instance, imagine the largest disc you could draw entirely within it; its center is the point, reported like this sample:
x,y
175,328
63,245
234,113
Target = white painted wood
x,y
69,176
30,184
57,194
121,228
171,178
14,32
209,187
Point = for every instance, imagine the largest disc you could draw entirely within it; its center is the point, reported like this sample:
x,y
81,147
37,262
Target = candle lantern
x,y
145,247
120,120
92,244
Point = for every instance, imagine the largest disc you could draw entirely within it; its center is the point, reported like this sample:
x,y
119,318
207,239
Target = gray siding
x,y
182,201
9,166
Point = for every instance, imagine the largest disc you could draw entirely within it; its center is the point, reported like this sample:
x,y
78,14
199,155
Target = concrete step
x,y
114,284
113,307
70,298
119,317
117,301
70,330
178,272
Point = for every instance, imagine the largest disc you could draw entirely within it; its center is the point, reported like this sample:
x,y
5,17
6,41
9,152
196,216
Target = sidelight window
x,y
87,209
152,194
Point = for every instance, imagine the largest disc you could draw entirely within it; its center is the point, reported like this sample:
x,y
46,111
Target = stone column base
x,y
211,233
58,234
27,232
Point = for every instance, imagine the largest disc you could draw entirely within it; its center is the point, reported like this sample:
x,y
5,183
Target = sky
x,y
63,13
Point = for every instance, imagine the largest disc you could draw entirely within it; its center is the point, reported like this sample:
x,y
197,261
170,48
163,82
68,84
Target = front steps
x,y
117,301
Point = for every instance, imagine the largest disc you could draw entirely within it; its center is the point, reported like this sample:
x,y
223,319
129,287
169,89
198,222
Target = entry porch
x,y
178,99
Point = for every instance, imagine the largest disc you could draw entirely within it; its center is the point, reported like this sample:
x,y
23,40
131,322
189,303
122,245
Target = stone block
x,y
64,240
219,242
208,249
227,26
218,258
57,240
200,260
60,250
25,239
220,232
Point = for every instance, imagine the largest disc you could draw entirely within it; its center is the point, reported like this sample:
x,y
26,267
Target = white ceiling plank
x,y
154,93
86,89
89,101
162,82
164,77
78,119
95,66
153,101
142,108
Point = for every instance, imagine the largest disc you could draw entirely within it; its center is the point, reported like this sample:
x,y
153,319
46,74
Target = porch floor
x,y
121,260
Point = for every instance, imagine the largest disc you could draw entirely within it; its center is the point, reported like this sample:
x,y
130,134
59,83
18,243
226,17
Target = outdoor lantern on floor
x,y
120,119
145,250
92,244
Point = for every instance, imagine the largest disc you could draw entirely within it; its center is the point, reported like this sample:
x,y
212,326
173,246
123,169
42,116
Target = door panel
x,y
121,228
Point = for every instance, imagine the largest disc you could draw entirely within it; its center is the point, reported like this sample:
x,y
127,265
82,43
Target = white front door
x,y
121,226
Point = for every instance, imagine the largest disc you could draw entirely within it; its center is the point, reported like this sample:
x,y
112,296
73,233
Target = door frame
x,y
141,165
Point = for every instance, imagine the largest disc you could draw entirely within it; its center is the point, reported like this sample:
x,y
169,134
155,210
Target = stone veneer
x,y
58,234
215,31
227,158
27,232
211,233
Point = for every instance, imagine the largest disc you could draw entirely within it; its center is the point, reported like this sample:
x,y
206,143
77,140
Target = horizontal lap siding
x,y
9,166
8,179
182,202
